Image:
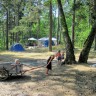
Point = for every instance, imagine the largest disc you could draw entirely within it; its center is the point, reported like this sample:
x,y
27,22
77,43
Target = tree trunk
x,y
87,46
95,19
7,30
73,23
50,34
70,57
18,16
58,29
17,23
88,43
95,43
4,43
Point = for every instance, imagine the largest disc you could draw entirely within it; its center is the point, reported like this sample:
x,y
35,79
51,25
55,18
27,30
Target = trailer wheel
x,y
3,74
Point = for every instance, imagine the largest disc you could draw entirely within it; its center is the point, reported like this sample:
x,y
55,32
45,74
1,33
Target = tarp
x,y
47,38
32,39
17,47
43,39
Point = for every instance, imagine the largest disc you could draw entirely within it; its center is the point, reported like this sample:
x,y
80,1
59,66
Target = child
x,y
17,66
17,61
62,55
49,64
58,56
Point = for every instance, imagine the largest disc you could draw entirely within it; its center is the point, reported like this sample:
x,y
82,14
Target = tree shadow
x,y
86,83
20,78
82,82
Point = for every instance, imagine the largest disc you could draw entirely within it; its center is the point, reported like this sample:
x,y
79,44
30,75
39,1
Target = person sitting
x,y
17,61
17,66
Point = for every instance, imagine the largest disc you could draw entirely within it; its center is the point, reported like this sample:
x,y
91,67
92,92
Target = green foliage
x,y
34,19
81,37
82,24
2,47
59,47
19,29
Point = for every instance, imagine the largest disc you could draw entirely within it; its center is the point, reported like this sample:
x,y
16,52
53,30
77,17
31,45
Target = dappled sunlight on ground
x,y
65,80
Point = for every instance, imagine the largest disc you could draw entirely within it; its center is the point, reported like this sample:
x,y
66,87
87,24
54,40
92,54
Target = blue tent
x,y
46,43
17,47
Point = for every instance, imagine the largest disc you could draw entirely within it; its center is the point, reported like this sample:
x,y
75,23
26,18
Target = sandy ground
x,y
65,80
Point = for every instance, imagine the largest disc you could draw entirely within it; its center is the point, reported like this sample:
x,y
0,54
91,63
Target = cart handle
x,y
32,69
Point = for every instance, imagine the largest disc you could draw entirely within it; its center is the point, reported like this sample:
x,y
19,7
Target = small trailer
x,y
8,69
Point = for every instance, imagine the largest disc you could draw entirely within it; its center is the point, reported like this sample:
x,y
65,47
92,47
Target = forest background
x,y
22,19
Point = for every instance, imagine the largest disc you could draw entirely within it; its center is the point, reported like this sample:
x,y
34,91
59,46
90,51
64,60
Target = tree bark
x,y
7,30
87,46
95,43
88,43
50,33
58,29
73,23
70,57
95,19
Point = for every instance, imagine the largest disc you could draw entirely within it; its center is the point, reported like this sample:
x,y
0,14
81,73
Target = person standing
x,y
49,64
58,56
62,55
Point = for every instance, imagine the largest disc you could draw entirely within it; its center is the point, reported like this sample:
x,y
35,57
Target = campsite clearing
x,y
65,80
